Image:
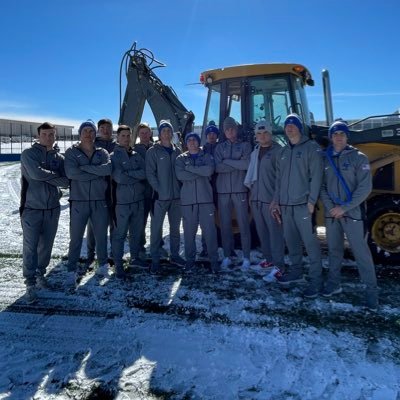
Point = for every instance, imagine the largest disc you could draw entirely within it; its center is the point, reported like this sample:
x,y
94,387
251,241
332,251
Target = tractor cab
x,y
249,93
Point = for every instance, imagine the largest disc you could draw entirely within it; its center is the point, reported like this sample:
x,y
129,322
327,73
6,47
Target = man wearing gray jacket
x,y
261,180
347,184
42,173
160,173
105,141
194,169
231,162
128,174
299,172
88,168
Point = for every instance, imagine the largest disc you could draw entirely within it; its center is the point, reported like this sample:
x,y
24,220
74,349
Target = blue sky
x,y
60,59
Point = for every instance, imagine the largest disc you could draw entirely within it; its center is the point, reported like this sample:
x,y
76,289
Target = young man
x,y
347,184
299,172
160,172
261,180
128,173
212,133
103,140
42,173
89,169
231,162
194,169
143,132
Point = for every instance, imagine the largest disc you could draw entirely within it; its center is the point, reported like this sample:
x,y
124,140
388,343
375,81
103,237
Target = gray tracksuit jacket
x,y
355,170
42,173
299,171
263,189
142,150
195,174
160,172
231,163
88,176
108,145
128,171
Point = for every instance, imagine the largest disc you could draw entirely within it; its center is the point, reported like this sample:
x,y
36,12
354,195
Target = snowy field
x,y
175,336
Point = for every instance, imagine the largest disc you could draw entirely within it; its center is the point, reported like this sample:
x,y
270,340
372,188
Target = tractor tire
x,y
383,222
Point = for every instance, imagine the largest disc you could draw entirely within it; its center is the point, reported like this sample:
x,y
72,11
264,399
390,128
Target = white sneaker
x,y
226,262
245,264
103,270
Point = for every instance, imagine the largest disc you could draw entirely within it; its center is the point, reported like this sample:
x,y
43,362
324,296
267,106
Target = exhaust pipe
x,y
326,83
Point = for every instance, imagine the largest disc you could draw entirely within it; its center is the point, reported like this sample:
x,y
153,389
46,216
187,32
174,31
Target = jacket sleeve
x,y
62,181
315,172
103,169
243,163
203,170
364,183
220,166
139,172
73,171
181,172
151,170
34,169
119,174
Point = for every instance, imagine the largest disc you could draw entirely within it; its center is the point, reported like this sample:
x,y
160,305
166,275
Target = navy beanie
x,y
294,119
192,135
165,124
338,126
212,129
89,123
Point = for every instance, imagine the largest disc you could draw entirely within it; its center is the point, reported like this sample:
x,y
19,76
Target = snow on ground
x,y
176,336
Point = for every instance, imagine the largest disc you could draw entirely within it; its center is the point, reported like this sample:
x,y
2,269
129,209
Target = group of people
x,y
116,185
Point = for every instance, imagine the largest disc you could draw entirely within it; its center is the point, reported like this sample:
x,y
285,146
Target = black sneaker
x,y
137,262
310,293
120,272
289,278
329,292
41,282
215,268
31,294
190,267
177,260
155,268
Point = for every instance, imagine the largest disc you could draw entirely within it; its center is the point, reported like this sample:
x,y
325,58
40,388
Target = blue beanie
x,y
165,124
294,119
212,129
192,135
89,123
338,126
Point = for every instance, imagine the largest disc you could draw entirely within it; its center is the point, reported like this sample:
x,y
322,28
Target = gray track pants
x,y
80,213
91,241
239,202
297,228
161,208
205,215
39,229
128,217
270,233
354,230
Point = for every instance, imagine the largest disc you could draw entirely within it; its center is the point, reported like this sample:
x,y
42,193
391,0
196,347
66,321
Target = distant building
x,y
15,136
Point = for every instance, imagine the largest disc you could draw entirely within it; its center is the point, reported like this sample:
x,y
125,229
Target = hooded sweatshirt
x,y
42,173
299,171
88,176
128,171
231,163
354,167
160,171
195,174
